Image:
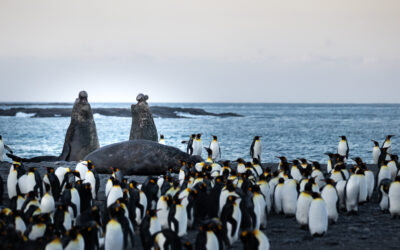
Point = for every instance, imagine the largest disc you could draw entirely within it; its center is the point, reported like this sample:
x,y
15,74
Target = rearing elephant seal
x,y
139,157
143,126
81,137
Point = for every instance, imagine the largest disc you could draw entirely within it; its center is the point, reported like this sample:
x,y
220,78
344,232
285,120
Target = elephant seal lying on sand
x,y
139,157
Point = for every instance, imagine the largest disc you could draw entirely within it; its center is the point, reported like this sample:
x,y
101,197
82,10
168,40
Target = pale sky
x,y
200,51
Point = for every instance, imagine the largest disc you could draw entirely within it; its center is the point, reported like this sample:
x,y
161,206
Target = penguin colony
x,y
223,202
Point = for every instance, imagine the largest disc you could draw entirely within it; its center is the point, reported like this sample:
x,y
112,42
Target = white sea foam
x,y
97,115
187,115
22,114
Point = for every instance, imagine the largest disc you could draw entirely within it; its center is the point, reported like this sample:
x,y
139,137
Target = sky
x,y
200,51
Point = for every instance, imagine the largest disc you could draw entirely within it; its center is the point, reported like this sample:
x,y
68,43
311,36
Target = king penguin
x,y
289,197
343,147
254,240
351,193
114,238
331,198
303,205
376,152
256,148
318,216
216,150
388,144
197,145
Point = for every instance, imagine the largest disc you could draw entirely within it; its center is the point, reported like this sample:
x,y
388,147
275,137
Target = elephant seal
x,y
143,126
139,157
81,137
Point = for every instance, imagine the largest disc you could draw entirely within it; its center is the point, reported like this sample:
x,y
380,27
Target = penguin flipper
x,y
14,157
8,149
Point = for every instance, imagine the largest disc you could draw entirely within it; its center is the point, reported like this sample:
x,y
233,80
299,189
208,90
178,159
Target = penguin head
x,y
198,136
90,164
161,136
394,157
240,161
316,165
282,158
376,144
249,240
330,181
359,171
343,137
192,136
281,180
388,137
215,137
255,161
357,160
308,187
397,179
315,195
50,170
226,164
303,161
257,137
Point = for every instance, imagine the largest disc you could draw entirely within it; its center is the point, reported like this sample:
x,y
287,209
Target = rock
x,y
143,126
81,137
139,157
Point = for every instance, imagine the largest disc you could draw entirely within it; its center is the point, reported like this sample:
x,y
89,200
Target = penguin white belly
x,y
272,184
340,188
370,180
222,198
54,245
89,178
318,217
302,207
114,195
20,224
26,183
352,192
264,187
376,152
212,241
295,173
154,225
20,202
143,202
162,141
67,221
215,150
342,148
257,149
241,168
388,144
114,238
363,195
76,200
237,216
108,187
289,197
329,166
278,198
330,196
12,182
160,241
394,199
181,217
336,176
47,204
257,212
37,231
319,178
60,172
162,212
263,240
393,169
384,173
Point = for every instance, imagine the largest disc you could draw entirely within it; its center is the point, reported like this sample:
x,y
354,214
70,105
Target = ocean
x,y
293,130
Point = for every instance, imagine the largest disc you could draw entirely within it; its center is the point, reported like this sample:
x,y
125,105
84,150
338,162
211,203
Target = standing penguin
x,y
197,145
177,217
343,147
394,198
376,152
278,196
256,148
189,148
318,216
231,217
289,197
383,197
2,147
388,144
383,173
47,202
303,205
351,193
206,239
215,148
331,198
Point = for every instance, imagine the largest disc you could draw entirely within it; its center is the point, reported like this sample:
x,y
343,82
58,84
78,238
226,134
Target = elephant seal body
x,y
81,137
143,126
139,157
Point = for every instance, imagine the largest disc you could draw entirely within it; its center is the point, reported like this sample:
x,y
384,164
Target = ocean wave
x,y
22,114
188,115
97,115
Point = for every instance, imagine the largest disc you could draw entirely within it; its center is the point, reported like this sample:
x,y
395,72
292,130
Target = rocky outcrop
x,y
143,126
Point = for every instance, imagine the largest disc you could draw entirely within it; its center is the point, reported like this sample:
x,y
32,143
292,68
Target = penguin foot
x,y
304,227
318,235
352,213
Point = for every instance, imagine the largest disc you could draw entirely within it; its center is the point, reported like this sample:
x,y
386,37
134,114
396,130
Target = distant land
x,y
158,111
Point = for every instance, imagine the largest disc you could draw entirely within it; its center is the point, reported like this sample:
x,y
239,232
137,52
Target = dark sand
x,y
371,229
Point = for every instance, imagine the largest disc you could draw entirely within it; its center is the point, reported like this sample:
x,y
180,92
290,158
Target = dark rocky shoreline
x,y
370,229
157,111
